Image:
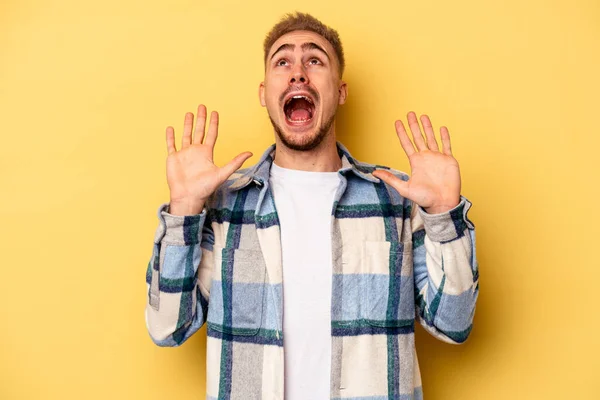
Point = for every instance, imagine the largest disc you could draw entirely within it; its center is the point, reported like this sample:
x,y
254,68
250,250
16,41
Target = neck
x,y
323,158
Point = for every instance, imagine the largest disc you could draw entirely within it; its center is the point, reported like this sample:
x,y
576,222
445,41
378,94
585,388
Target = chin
x,y
300,124
301,141
302,137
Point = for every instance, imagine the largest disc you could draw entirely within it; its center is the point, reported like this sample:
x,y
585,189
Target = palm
x,y
435,175
192,175
435,179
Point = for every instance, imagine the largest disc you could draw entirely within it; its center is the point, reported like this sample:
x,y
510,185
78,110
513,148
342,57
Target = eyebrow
x,y
305,47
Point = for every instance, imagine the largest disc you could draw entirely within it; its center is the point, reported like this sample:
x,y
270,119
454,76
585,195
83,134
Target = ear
x,y
261,94
343,92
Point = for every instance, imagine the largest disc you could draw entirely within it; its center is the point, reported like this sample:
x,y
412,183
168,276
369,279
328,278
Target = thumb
x,y
392,180
228,169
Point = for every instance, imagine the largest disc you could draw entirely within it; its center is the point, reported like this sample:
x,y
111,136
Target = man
x,y
310,267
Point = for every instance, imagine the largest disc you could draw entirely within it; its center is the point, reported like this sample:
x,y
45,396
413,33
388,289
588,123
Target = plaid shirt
x,y
392,263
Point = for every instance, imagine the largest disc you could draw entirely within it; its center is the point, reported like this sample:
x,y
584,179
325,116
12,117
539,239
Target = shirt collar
x,y
259,172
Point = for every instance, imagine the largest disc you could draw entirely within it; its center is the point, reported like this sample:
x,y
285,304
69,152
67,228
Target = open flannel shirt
x,y
392,263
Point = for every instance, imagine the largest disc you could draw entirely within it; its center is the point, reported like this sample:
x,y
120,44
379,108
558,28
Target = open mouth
x,y
299,110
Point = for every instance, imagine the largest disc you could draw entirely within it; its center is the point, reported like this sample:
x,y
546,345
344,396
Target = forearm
x,y
176,282
446,272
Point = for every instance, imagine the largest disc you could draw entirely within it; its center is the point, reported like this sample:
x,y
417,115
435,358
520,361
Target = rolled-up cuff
x,y
449,225
178,229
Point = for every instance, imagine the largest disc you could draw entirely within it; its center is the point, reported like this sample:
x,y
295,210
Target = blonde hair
x,y
305,22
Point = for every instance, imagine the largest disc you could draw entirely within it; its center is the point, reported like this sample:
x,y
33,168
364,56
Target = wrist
x,y
183,208
441,208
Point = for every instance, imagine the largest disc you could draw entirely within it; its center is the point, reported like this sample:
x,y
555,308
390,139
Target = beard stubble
x,y
309,143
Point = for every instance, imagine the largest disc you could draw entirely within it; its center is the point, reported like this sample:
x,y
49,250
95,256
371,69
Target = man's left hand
x,y
435,181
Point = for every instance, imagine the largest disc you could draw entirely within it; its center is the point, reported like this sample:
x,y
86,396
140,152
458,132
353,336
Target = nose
x,y
298,76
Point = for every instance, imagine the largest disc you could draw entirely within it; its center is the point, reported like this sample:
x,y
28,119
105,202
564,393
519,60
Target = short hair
x,y
305,22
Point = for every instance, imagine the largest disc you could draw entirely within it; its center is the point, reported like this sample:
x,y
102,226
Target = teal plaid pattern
x,y
393,263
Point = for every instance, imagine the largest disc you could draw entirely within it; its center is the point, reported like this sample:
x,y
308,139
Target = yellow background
x,y
87,89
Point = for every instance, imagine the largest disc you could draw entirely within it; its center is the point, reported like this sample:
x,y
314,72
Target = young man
x,y
310,267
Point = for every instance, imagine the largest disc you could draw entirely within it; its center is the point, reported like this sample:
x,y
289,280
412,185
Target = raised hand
x,y
435,177
192,175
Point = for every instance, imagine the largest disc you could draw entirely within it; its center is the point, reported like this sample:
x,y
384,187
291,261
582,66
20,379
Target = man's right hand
x,y
191,173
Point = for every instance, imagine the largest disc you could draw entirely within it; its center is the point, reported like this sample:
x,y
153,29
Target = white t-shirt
x,y
304,202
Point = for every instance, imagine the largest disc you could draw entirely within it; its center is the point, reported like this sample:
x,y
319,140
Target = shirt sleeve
x,y
445,271
178,277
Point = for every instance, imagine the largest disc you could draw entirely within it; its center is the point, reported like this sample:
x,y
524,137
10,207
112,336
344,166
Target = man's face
x,y
302,89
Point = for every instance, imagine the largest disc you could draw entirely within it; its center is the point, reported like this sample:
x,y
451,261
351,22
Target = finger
x,y
233,165
429,133
446,141
188,121
407,145
170,140
416,131
200,124
213,129
392,180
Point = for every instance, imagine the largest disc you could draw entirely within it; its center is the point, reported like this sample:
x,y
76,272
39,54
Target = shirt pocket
x,y
237,291
389,284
